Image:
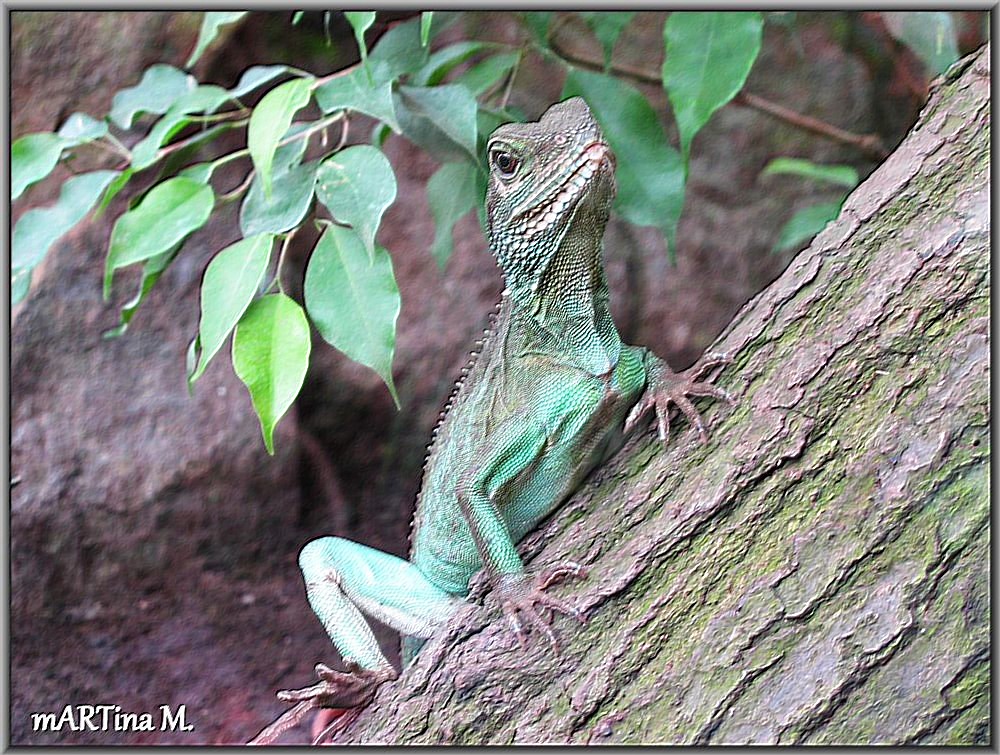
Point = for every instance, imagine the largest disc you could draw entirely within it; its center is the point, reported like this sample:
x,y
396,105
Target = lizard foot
x,y
667,387
351,689
520,593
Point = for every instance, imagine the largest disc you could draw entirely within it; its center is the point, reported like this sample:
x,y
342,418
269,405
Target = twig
x,y
870,144
230,196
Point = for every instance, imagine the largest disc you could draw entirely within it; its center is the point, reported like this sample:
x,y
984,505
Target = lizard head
x,y
547,177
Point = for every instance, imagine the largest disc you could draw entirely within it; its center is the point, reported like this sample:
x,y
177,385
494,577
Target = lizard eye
x,y
505,163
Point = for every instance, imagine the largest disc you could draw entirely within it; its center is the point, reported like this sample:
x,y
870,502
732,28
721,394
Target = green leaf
x,y
709,56
426,19
353,91
607,27
151,272
270,355
32,158
230,282
444,60
210,24
380,132
20,282
360,21
397,52
353,300
254,77
930,34
112,191
841,175
205,99
288,204
357,185
451,193
805,224
485,74
165,217
538,22
297,17
650,172
161,85
440,119
39,228
200,172
80,128
270,120
191,361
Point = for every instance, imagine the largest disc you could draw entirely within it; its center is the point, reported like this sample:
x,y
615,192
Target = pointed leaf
x,y
360,21
353,300
805,224
607,27
210,24
709,56
356,185
270,355
80,128
165,217
113,189
451,193
285,209
32,158
200,172
930,34
485,74
270,120
538,22
161,85
204,99
426,19
39,228
353,91
231,280
397,52
841,175
444,60
440,119
650,173
151,272
254,77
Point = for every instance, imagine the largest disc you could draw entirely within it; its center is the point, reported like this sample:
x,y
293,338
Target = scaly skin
x,y
546,400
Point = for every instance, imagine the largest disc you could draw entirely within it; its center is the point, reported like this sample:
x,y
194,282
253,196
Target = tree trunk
x,y
819,572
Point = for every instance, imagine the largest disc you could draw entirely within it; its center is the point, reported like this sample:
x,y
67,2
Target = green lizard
x,y
548,398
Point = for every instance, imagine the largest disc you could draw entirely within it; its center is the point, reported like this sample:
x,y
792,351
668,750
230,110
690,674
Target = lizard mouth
x,y
591,160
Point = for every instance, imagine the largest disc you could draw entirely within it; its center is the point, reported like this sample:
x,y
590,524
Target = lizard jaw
x,y
592,159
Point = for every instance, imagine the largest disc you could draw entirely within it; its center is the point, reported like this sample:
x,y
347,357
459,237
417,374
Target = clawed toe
x,y
351,689
523,598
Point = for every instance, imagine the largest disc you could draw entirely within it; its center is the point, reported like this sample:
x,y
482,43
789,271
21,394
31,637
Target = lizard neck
x,y
566,304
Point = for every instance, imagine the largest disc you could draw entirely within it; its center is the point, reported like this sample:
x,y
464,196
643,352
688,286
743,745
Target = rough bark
x,y
819,572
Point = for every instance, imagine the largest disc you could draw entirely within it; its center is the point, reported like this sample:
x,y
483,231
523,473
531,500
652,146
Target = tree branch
x,y
870,144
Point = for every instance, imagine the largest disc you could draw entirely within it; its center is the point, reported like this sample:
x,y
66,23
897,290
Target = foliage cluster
x,y
445,100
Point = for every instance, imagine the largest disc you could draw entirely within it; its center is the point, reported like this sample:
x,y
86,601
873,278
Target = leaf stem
x,y
239,190
305,133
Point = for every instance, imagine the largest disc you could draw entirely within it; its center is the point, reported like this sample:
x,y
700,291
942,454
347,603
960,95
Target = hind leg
x,y
345,580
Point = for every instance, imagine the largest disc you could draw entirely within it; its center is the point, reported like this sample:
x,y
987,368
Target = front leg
x,y
665,387
488,497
